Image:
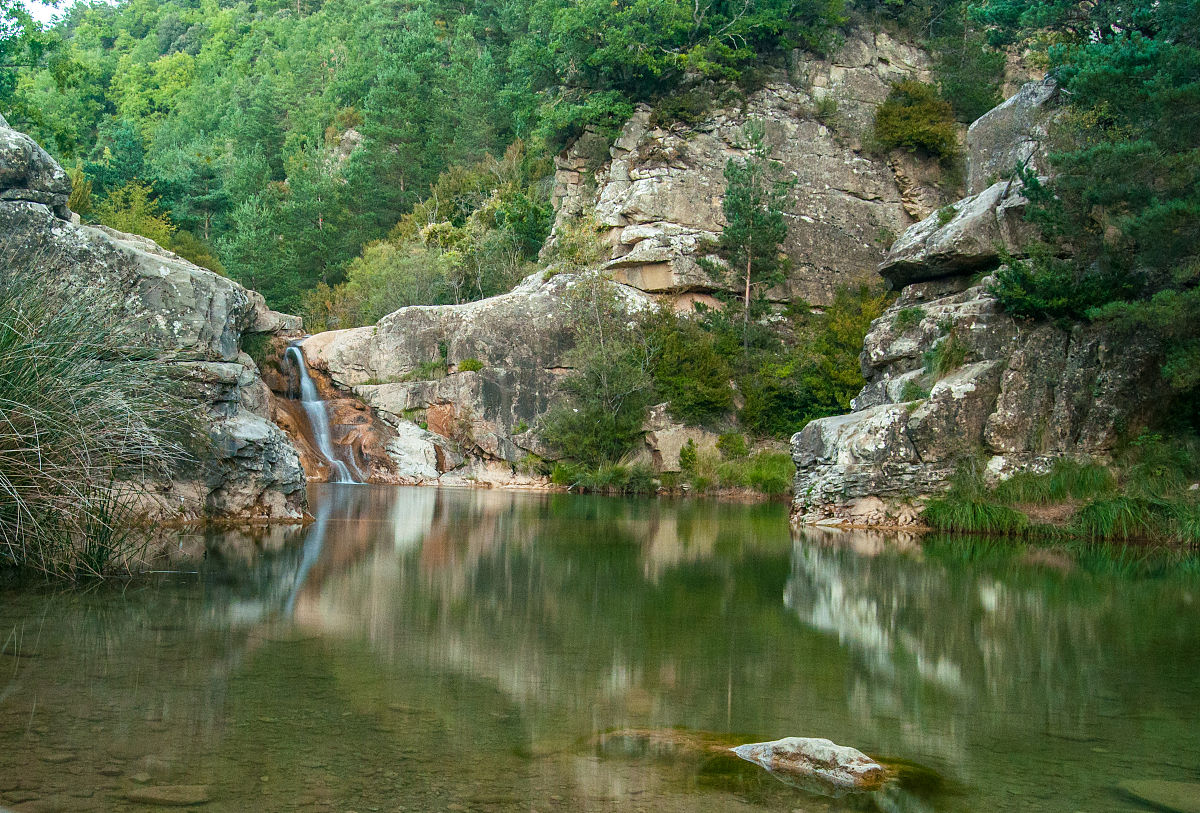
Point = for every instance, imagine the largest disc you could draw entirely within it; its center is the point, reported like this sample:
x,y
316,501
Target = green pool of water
x,y
422,649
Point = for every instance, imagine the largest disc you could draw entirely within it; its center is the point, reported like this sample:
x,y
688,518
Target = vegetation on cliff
x,y
1121,216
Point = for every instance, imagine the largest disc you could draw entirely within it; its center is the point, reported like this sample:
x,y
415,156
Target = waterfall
x,y
318,418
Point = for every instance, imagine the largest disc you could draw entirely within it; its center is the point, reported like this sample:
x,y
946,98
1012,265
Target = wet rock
x,y
814,763
170,795
1180,797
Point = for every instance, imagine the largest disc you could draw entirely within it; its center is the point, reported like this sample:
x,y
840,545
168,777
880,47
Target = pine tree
x,y
755,228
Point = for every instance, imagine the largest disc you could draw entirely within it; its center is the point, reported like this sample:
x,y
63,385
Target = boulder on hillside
x,y
1010,135
962,238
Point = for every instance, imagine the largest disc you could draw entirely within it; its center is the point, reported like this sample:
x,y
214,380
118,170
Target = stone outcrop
x,y
813,762
950,376
657,191
417,370
1012,134
194,318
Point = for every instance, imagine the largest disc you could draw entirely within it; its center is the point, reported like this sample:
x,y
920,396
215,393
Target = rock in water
x,y
170,795
1181,797
816,764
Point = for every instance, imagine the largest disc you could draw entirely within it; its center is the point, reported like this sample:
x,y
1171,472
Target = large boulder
x,y
1010,135
195,319
657,192
964,237
478,375
28,173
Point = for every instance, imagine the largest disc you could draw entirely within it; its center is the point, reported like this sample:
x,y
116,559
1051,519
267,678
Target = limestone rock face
x,y
1022,395
410,369
195,318
965,238
950,376
28,173
657,192
1011,134
810,761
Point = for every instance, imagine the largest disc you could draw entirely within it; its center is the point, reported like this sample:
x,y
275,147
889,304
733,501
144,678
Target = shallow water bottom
x,y
417,649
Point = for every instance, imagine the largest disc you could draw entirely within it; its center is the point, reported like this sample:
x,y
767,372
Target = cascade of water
x,y
318,418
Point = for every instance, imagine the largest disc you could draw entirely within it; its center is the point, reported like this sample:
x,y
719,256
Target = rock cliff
x,y
951,376
461,386
197,321
657,191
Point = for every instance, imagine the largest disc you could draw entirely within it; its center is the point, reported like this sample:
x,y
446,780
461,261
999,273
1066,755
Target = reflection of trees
x,y
938,640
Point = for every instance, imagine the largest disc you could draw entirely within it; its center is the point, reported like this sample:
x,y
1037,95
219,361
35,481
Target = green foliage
x,y
785,388
908,318
946,214
915,118
754,202
607,395
952,513
1122,210
689,371
428,371
134,209
688,456
946,356
913,391
732,446
687,107
1066,480
608,478
90,420
469,365
968,73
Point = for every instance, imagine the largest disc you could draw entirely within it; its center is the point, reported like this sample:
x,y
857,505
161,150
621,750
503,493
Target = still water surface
x,y
417,649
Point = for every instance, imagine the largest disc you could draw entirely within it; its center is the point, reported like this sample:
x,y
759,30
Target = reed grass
x,y
87,420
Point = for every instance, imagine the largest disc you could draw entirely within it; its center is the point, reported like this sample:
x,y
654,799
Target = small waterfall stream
x,y
318,418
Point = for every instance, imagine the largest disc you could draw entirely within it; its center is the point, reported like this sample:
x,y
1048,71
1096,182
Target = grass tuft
x,y
88,420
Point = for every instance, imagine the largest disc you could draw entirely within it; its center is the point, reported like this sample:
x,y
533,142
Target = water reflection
x,y
422,648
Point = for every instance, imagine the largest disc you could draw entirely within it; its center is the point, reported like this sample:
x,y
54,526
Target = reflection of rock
x,y
813,762
1180,797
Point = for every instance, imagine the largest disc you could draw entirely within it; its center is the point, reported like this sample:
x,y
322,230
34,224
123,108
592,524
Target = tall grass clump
x,y
969,506
87,420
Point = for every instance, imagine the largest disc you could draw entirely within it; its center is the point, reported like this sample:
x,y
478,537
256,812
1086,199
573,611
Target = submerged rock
x,y
170,795
1180,797
814,763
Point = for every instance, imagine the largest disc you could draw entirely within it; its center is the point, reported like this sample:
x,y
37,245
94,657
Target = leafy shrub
x,y
946,214
915,118
946,356
689,371
688,107
913,391
469,365
732,446
688,457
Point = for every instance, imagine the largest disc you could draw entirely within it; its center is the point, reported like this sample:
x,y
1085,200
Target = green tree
x,y
612,385
134,209
750,242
